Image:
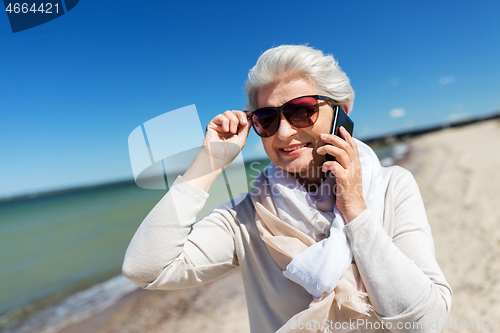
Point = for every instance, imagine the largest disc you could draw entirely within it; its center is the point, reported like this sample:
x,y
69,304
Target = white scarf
x,y
319,268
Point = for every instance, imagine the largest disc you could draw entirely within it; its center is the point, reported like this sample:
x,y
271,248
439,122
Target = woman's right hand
x,y
225,137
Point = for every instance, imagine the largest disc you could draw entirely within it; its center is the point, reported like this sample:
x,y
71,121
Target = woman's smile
x,y
294,149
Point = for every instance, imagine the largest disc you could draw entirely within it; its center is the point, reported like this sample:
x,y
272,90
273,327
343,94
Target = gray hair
x,y
289,61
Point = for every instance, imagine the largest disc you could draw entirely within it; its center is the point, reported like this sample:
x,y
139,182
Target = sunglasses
x,y
300,112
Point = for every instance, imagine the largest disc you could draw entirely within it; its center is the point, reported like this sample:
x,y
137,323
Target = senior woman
x,y
341,245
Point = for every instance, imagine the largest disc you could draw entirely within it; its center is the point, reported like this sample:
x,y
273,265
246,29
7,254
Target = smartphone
x,y
340,118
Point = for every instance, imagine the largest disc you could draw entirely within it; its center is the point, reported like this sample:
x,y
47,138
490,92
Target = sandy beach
x,y
457,171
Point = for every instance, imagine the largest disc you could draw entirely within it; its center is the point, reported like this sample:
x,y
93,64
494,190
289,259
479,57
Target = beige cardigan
x,y
395,258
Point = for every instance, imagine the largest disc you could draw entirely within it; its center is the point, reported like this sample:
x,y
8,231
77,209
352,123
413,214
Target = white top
x,y
395,258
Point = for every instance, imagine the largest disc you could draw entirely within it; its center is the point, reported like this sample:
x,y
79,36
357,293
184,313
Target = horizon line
x,y
378,140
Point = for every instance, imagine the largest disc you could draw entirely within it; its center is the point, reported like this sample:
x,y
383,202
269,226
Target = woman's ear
x,y
346,110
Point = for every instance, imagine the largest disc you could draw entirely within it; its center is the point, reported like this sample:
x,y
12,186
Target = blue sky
x,y
73,89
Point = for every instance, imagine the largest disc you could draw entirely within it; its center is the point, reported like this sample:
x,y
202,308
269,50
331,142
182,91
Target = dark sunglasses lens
x,y
265,122
301,112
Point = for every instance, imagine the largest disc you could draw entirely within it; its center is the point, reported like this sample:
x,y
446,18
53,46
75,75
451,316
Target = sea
x,y
62,252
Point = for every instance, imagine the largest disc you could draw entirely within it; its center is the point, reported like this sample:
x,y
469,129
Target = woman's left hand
x,y
347,171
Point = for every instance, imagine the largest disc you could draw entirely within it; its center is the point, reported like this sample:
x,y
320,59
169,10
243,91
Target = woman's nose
x,y
285,130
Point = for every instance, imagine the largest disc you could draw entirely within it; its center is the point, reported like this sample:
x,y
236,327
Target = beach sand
x,y
458,174
457,170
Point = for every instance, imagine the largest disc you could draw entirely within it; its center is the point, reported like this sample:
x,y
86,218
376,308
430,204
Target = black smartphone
x,y
340,118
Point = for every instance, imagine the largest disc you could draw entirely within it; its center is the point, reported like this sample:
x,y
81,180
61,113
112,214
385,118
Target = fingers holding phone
x,y
341,150
342,159
347,171
338,146
340,119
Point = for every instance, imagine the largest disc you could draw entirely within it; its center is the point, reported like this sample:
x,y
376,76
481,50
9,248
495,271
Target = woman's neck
x,y
310,180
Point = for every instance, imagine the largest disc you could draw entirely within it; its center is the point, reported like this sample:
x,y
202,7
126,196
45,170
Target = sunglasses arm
x,y
330,101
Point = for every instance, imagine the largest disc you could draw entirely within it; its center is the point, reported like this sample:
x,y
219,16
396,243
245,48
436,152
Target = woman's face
x,y
302,160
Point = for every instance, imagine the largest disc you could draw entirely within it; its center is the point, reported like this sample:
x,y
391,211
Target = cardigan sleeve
x,y
401,275
170,251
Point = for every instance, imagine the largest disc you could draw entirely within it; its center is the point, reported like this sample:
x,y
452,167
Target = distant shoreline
x,y
386,139
65,191
391,138
83,188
